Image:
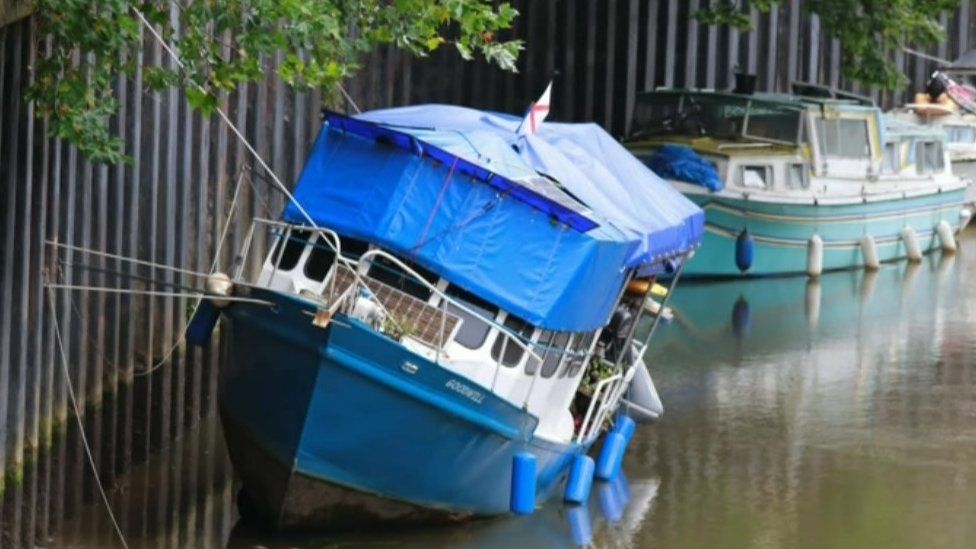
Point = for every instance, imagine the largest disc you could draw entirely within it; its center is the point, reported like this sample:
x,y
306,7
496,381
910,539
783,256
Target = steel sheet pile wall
x,y
603,52
169,204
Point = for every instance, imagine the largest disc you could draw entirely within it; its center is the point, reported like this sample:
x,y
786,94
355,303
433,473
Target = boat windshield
x,y
723,116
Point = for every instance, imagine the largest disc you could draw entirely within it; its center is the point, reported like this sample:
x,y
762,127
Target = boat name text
x,y
465,391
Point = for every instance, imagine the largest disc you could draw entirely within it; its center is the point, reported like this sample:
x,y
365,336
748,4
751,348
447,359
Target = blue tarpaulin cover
x,y
444,187
683,163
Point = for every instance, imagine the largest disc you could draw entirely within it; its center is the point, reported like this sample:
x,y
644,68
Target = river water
x,y
799,414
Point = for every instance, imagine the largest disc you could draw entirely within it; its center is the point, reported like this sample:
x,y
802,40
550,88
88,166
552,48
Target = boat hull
x,y
342,427
781,232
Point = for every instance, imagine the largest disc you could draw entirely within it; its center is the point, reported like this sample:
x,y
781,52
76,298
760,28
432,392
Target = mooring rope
x,y
230,124
213,267
155,293
78,418
117,257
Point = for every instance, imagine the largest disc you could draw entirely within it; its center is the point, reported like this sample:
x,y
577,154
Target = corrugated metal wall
x,y
170,203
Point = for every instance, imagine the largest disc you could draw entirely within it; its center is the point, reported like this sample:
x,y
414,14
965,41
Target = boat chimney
x,y
745,83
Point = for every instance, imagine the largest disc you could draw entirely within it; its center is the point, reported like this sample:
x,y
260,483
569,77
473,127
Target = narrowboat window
x,y
889,159
755,177
928,157
798,177
294,247
474,329
844,138
543,343
387,272
320,260
961,134
513,352
554,354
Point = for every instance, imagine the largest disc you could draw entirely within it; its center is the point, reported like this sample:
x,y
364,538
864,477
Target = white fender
x,y
912,250
965,216
946,238
870,253
641,402
219,285
815,256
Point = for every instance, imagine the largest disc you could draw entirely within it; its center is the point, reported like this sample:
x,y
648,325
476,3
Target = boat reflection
x,y
613,518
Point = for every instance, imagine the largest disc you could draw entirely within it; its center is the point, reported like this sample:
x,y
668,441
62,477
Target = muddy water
x,y
832,414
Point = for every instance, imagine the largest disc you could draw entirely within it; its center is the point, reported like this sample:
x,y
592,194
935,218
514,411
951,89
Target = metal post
x,y
664,303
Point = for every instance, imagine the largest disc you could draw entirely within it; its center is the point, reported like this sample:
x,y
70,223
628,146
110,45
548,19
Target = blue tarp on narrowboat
x,y
465,204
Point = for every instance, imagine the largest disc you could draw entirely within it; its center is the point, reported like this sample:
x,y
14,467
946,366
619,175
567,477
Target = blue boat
x,y
801,184
416,346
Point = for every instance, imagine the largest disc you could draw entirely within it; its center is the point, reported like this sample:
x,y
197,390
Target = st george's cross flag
x,y
538,112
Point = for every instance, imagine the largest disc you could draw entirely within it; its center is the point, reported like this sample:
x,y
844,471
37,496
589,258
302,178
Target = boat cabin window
x,y
513,352
755,177
798,176
294,244
474,330
353,248
540,346
322,256
928,157
389,273
320,259
580,348
890,161
960,134
844,138
554,354
773,123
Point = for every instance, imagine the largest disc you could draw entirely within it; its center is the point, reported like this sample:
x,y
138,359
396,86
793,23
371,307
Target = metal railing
x,y
604,401
347,295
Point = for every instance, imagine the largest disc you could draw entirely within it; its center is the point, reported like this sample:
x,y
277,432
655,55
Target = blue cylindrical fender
x,y
625,426
580,479
745,249
523,484
202,324
611,456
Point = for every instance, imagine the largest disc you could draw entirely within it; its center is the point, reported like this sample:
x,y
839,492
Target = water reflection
x,y
830,413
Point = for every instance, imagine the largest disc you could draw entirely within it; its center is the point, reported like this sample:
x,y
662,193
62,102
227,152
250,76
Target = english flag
x,y
538,112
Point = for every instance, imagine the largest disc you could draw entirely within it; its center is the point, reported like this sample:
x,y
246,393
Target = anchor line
x,y
81,423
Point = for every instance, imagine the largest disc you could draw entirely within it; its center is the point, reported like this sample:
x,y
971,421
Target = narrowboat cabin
x,y
429,316
797,184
